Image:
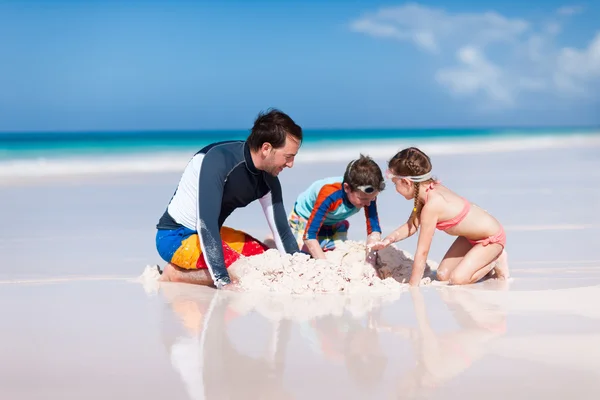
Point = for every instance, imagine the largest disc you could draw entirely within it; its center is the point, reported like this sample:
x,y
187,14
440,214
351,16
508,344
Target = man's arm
x,y
210,190
272,204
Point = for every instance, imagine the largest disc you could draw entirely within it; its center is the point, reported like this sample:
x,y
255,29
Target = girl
x,y
479,247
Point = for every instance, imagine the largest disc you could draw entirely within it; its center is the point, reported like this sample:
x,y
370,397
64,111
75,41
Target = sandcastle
x,y
345,271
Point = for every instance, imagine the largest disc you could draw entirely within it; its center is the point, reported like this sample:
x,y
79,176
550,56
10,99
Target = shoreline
x,y
16,171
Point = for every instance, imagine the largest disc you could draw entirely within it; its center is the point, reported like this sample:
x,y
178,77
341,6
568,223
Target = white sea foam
x,y
17,169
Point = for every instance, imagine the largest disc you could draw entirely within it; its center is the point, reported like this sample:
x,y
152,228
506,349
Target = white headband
x,y
417,178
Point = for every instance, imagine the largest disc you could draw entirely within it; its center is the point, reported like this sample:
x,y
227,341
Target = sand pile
x,y
301,288
345,270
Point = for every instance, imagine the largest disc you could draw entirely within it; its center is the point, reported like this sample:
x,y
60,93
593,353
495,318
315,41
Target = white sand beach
x,y
77,323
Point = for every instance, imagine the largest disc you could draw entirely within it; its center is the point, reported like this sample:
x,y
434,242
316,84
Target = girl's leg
x,y
453,257
477,263
499,267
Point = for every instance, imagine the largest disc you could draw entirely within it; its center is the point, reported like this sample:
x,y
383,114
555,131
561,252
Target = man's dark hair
x,y
273,127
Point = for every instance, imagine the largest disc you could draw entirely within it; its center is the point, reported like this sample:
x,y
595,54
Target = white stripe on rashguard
x,y
184,204
267,204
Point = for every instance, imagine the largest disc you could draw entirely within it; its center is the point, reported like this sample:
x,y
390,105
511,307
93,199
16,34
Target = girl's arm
x,y
403,232
428,222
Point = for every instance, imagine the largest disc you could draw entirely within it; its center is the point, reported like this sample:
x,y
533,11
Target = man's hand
x,y
232,287
228,284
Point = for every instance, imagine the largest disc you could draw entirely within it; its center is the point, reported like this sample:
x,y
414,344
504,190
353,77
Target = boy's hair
x,y
411,162
364,172
273,127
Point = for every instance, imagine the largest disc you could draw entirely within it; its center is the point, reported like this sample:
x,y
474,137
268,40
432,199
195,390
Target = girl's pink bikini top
x,y
449,223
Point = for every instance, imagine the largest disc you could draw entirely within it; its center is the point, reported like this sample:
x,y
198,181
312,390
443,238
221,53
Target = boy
x,y
319,217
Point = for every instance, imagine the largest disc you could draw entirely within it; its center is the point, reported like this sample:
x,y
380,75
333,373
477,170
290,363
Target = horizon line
x,y
237,130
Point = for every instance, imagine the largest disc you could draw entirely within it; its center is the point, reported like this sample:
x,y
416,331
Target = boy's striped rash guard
x,y
325,203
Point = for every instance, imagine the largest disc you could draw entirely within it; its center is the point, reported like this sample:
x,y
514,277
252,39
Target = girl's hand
x,y
379,245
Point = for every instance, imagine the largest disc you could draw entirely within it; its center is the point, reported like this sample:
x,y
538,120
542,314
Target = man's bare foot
x,y
167,273
269,241
172,273
501,268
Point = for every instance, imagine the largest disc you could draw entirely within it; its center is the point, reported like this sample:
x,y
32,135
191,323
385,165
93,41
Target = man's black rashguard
x,y
218,179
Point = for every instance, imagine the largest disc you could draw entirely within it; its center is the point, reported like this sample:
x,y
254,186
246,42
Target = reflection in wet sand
x,y
208,362
347,348
440,357
349,343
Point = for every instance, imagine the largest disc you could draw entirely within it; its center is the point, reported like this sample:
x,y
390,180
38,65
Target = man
x,y
218,179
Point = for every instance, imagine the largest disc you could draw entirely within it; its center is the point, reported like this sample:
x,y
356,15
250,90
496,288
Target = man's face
x,y
278,159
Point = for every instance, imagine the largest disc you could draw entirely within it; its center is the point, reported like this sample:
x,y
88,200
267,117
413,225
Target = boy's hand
x,y
373,238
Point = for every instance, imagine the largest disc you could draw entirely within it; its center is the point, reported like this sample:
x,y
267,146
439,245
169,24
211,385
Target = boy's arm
x,y
373,227
373,231
326,201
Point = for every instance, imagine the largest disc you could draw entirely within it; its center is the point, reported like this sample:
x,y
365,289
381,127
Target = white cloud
x,y
429,27
553,28
569,10
487,55
475,74
576,67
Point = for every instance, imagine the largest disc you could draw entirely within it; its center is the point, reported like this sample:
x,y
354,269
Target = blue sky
x,y
108,65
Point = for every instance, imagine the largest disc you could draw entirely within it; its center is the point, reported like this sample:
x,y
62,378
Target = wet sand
x,y
76,323
93,339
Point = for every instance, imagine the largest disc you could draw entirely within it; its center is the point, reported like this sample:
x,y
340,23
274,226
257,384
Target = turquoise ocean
x,y
39,153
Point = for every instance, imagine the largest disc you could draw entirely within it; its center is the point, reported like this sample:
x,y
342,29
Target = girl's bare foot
x,y
501,268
